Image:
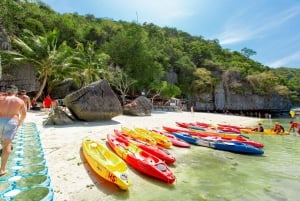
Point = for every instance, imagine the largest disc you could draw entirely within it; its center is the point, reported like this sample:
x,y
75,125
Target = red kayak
x,y
140,159
175,141
236,138
159,152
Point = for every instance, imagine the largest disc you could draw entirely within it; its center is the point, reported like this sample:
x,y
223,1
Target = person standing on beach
x,y
26,99
47,102
12,115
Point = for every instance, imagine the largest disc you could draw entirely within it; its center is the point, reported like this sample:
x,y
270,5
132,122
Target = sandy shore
x,y
71,177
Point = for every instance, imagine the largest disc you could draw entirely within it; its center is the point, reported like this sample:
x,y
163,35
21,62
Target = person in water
x,y
12,115
259,128
294,125
278,128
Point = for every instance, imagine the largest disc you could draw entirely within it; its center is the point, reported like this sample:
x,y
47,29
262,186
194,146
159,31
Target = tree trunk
x,y
42,87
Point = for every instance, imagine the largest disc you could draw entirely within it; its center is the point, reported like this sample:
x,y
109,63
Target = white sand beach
x,y
71,178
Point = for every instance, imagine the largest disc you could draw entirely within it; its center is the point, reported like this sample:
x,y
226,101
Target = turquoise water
x,y
206,174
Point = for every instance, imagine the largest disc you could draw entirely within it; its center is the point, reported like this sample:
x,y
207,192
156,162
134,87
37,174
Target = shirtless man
x,y
26,99
12,115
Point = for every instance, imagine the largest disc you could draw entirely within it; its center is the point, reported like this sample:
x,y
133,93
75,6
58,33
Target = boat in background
x,y
141,160
202,132
105,163
266,132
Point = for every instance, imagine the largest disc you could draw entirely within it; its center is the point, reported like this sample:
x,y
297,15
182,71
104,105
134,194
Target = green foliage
x,y
169,90
290,78
203,82
248,52
261,84
43,53
88,64
120,81
89,48
130,50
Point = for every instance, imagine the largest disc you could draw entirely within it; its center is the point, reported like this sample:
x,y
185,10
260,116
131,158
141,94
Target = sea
x,y
205,174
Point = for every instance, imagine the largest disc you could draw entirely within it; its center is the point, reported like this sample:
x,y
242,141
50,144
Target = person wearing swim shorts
x,y
12,115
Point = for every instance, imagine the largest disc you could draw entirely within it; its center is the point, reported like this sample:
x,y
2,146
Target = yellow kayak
x,y
139,135
159,138
105,163
266,132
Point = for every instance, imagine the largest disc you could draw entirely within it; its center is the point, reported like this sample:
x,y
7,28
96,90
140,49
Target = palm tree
x,y
88,64
44,54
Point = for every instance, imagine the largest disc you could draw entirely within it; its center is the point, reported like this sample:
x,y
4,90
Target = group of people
x,y
14,105
278,128
13,110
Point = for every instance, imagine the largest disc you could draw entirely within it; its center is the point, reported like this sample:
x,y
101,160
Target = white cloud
x,y
161,12
237,31
286,60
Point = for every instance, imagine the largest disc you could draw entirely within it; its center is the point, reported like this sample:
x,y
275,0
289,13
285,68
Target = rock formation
x,y
141,106
97,101
58,117
64,88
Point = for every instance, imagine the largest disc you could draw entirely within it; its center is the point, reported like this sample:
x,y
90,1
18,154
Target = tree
x,y
130,50
203,82
43,53
120,81
248,52
169,90
88,64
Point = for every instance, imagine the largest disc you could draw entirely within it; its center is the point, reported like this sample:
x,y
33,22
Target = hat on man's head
x,y
12,87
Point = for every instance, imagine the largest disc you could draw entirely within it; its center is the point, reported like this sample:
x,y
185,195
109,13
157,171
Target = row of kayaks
x,y
226,129
146,151
143,155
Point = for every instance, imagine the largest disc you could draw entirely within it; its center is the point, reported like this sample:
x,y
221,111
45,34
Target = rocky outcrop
x,y
23,76
96,101
57,116
224,98
64,88
141,106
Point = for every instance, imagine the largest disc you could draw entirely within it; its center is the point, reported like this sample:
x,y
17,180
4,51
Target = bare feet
x,y
2,173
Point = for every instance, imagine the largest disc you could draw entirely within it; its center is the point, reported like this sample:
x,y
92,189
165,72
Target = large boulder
x,y
141,106
64,88
96,101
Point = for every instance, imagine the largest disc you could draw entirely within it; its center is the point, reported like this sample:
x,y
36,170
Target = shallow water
x,y
208,174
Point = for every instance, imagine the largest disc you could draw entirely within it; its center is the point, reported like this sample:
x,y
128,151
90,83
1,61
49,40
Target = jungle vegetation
x,y
133,57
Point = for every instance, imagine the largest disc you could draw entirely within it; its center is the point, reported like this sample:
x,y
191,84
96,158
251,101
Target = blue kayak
x,y
186,137
231,146
236,147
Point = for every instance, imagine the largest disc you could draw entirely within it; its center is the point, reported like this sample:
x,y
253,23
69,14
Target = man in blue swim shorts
x,y
12,115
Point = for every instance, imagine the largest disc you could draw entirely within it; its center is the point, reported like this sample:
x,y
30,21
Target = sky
x,y
269,27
